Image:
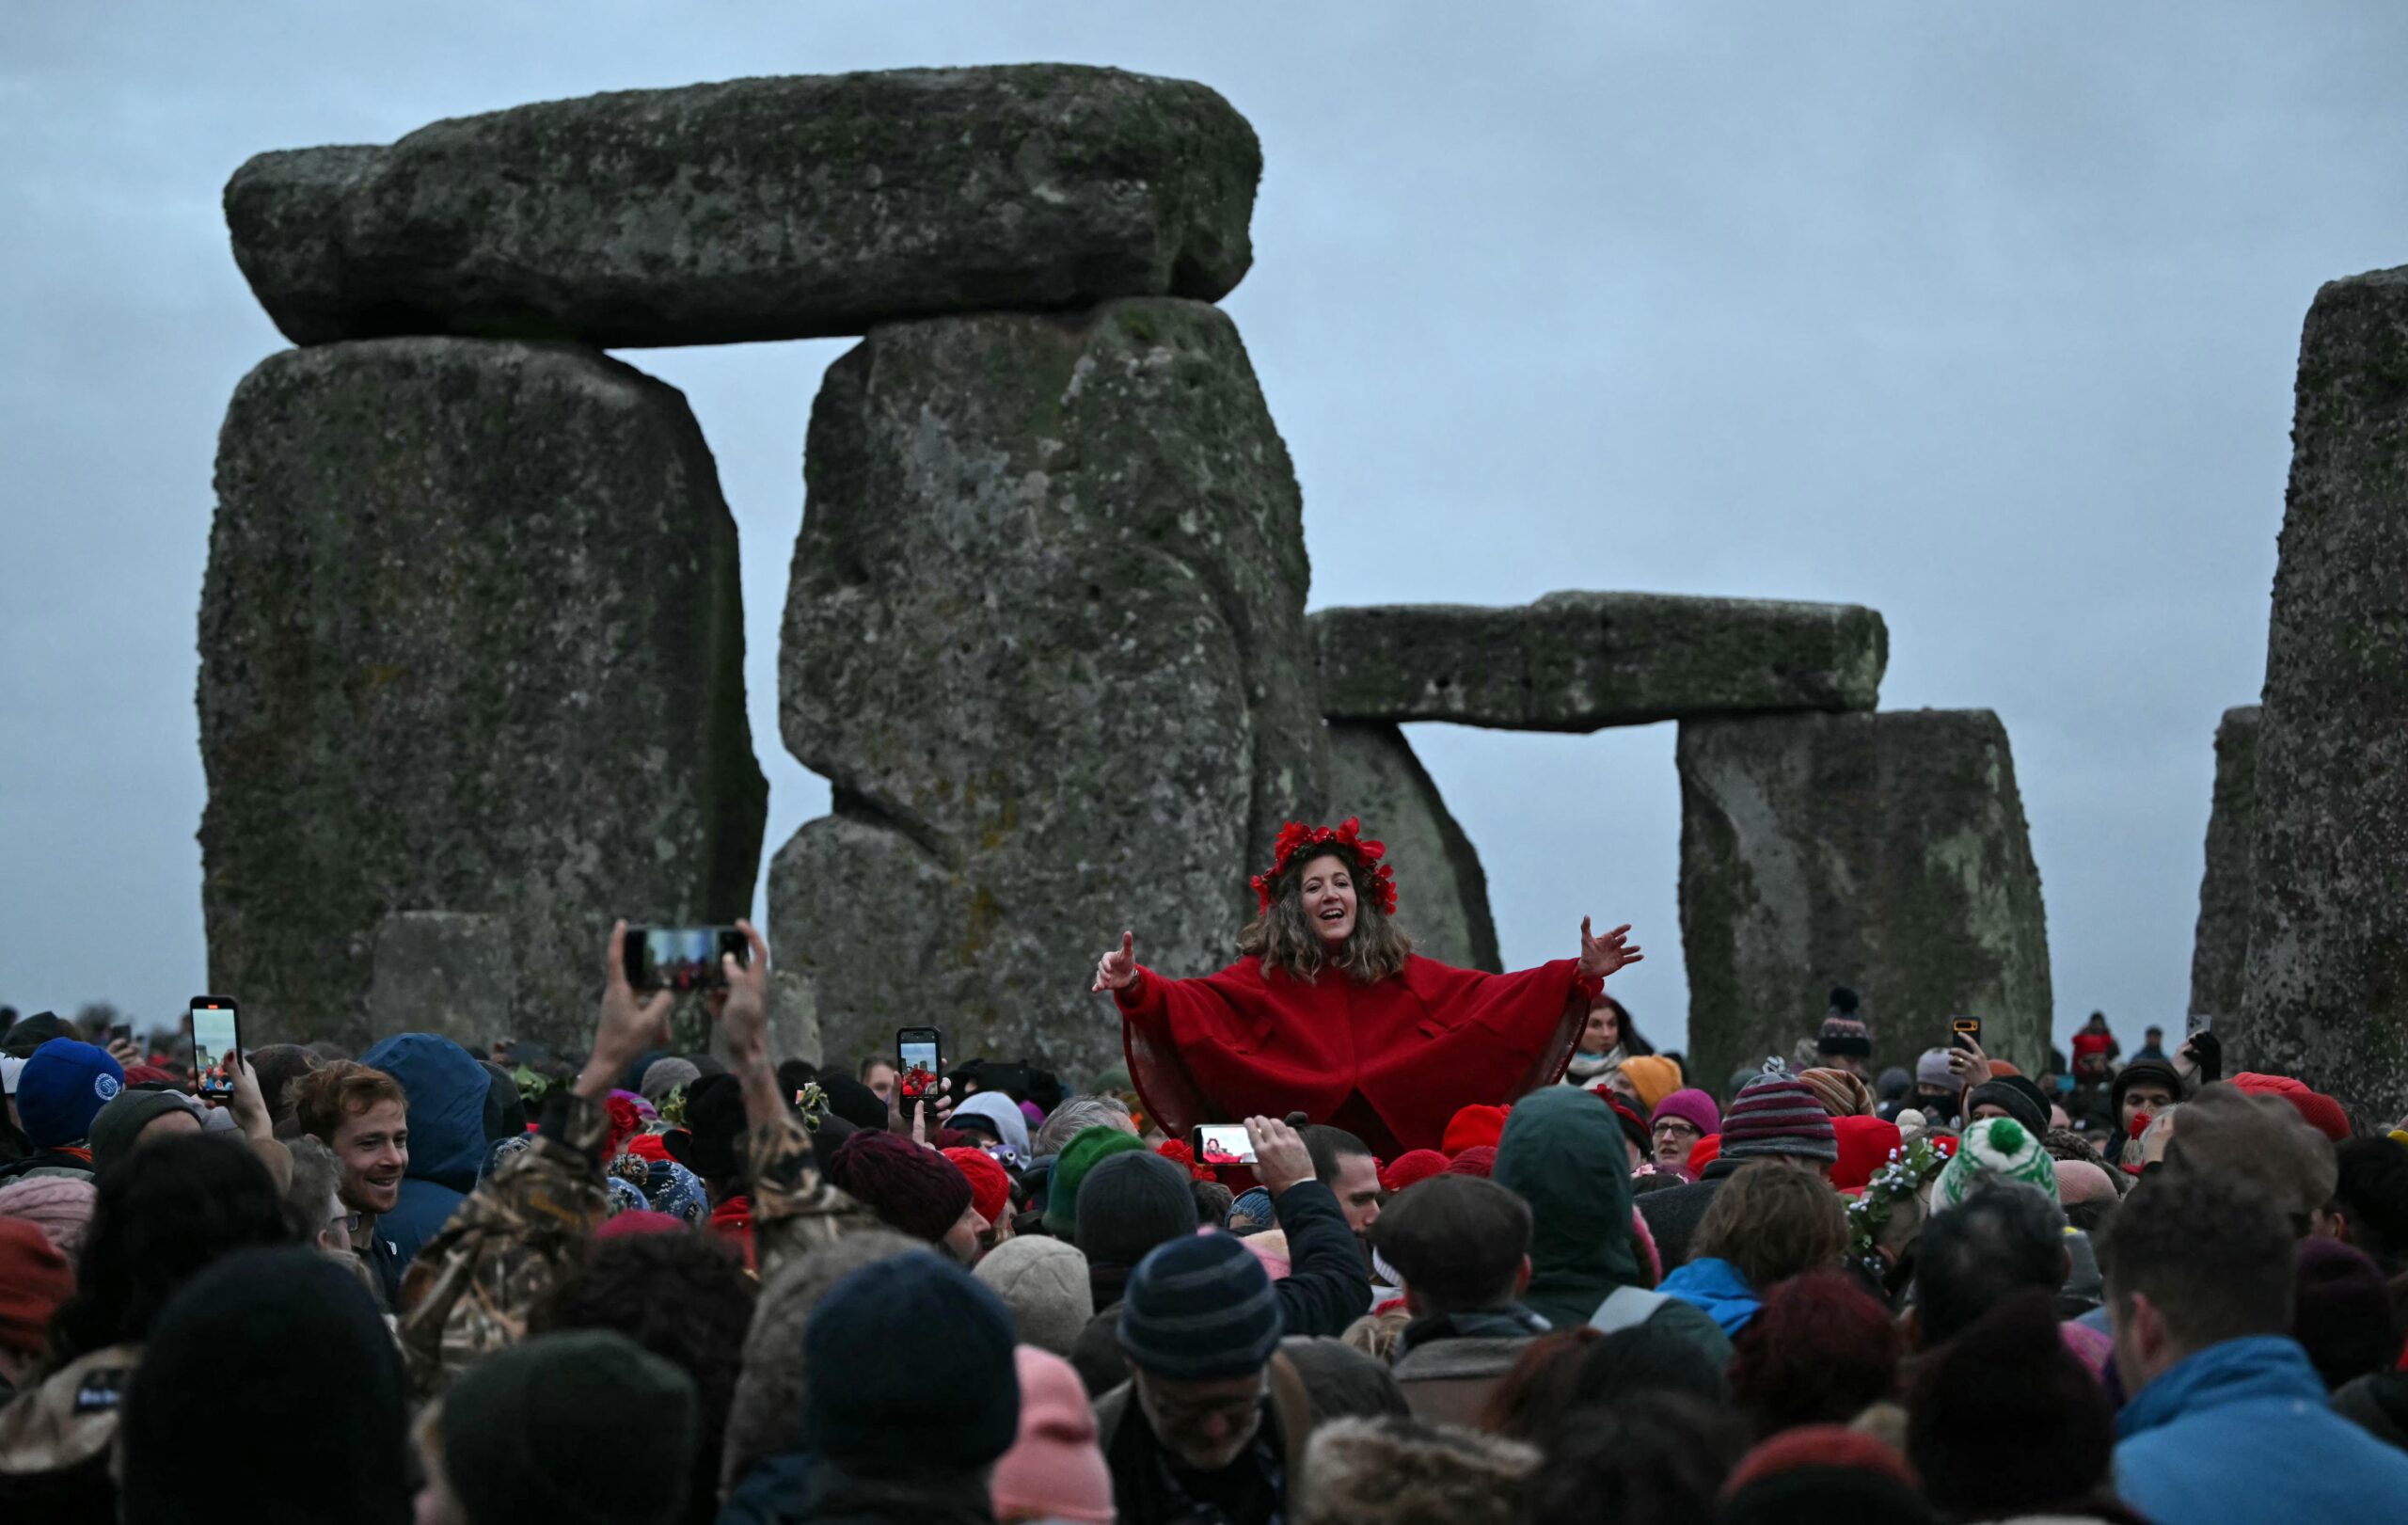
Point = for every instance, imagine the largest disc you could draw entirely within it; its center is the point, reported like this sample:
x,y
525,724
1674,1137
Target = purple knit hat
x,y
1692,1107
1776,1114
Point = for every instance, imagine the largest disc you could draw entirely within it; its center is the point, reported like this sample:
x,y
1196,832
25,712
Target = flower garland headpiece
x,y
1298,840
1909,1169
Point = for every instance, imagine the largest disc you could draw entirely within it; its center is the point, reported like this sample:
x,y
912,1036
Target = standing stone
x,y
1579,661
1887,852
472,640
2219,953
781,208
446,972
1045,639
1442,892
2326,993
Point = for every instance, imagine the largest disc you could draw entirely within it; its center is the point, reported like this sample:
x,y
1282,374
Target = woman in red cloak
x,y
1332,1013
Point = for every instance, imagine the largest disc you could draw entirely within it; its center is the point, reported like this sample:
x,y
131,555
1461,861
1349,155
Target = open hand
x,y
1117,969
1602,956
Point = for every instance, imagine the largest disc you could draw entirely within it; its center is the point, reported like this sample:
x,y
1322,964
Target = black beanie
x,y
267,1351
707,1145
911,1370
1199,1309
2024,1101
528,1433
853,1101
1129,1203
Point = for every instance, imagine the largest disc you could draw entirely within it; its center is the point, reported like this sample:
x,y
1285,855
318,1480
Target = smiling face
x,y
374,1146
1329,890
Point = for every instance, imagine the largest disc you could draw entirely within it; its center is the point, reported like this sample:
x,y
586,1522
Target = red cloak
x,y
1390,1060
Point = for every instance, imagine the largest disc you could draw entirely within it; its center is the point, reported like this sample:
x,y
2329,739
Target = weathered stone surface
x,y
1045,637
445,971
1442,892
1579,661
757,209
471,640
2219,952
2326,993
1887,852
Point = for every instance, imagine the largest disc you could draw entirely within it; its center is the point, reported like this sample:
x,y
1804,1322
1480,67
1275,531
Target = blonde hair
x,y
1282,938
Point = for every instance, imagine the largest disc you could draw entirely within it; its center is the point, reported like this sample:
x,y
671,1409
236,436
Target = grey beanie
x,y
663,1076
1045,1284
1200,1309
116,1126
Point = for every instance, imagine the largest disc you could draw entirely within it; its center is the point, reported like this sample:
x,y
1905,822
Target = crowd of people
x,y
421,1283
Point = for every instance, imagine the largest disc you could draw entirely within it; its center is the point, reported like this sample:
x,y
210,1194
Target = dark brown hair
x,y
323,1098
1773,1222
1281,938
2212,1254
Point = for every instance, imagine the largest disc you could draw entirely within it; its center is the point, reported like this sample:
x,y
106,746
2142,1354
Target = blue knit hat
x,y
1200,1309
62,1087
912,1370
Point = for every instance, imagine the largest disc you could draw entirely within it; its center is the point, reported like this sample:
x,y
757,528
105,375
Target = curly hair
x,y
1282,938
1773,1222
324,1097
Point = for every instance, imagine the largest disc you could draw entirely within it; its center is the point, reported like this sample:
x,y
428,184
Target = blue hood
x,y
2267,1368
1716,1287
447,1090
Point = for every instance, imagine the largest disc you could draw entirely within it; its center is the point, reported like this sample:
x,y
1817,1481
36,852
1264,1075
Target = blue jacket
x,y
2242,1432
1716,1286
447,1117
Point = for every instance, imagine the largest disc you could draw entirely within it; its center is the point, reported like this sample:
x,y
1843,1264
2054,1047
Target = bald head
x,y
2079,1180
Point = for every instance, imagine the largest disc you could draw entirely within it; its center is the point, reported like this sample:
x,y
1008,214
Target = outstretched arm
x,y
794,1210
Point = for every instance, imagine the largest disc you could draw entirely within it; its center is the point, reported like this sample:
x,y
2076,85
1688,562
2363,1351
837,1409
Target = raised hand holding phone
x,y
627,1025
1280,1158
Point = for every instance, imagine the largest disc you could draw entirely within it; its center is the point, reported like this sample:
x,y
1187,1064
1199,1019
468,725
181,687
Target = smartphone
x,y
682,958
217,1032
121,1033
1223,1143
1967,1033
2197,1023
919,1063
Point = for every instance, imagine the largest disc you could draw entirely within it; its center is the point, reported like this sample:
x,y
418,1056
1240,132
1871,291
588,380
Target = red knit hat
x,y
1472,1127
2322,1112
1412,1165
1819,1445
1480,1160
1865,1146
639,1220
34,1281
990,1185
916,1190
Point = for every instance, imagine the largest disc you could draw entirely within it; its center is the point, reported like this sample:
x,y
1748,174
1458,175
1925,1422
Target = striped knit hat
x,y
1200,1309
1842,1095
1776,1114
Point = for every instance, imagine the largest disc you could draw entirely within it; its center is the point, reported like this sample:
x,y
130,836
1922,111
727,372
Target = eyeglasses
x,y
1675,1127
347,1222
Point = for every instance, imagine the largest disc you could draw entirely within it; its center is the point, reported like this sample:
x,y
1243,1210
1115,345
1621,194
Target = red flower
x,y
1176,1152
1297,839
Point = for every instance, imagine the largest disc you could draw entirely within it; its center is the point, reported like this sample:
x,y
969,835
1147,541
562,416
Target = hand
x,y
1117,969
244,1100
1602,956
743,1011
124,1053
920,1122
1280,1158
627,1026
1969,1064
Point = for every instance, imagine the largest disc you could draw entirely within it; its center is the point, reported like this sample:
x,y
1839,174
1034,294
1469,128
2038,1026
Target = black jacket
x,y
1326,1288
1673,1216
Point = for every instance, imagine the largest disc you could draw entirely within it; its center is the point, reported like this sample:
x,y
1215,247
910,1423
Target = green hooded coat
x,y
1564,1152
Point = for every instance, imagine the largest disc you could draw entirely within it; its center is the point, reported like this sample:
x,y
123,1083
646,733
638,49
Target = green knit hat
x,y
2000,1147
525,1430
1079,1156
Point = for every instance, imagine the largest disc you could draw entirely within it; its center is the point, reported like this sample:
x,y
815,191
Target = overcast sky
x,y
1983,316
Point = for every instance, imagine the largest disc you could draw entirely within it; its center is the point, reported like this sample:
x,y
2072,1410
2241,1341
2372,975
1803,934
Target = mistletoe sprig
x,y
1903,1176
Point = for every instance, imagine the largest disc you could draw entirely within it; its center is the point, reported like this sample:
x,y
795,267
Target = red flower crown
x,y
1298,840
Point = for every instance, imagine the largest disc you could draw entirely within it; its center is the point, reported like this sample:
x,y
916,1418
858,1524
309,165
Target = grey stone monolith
x,y
1442,892
758,208
472,641
2220,950
1579,661
1887,852
2325,997
1045,639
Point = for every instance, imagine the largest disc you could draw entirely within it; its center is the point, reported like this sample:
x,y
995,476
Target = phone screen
x,y
1223,1143
917,1063
682,958
215,1035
